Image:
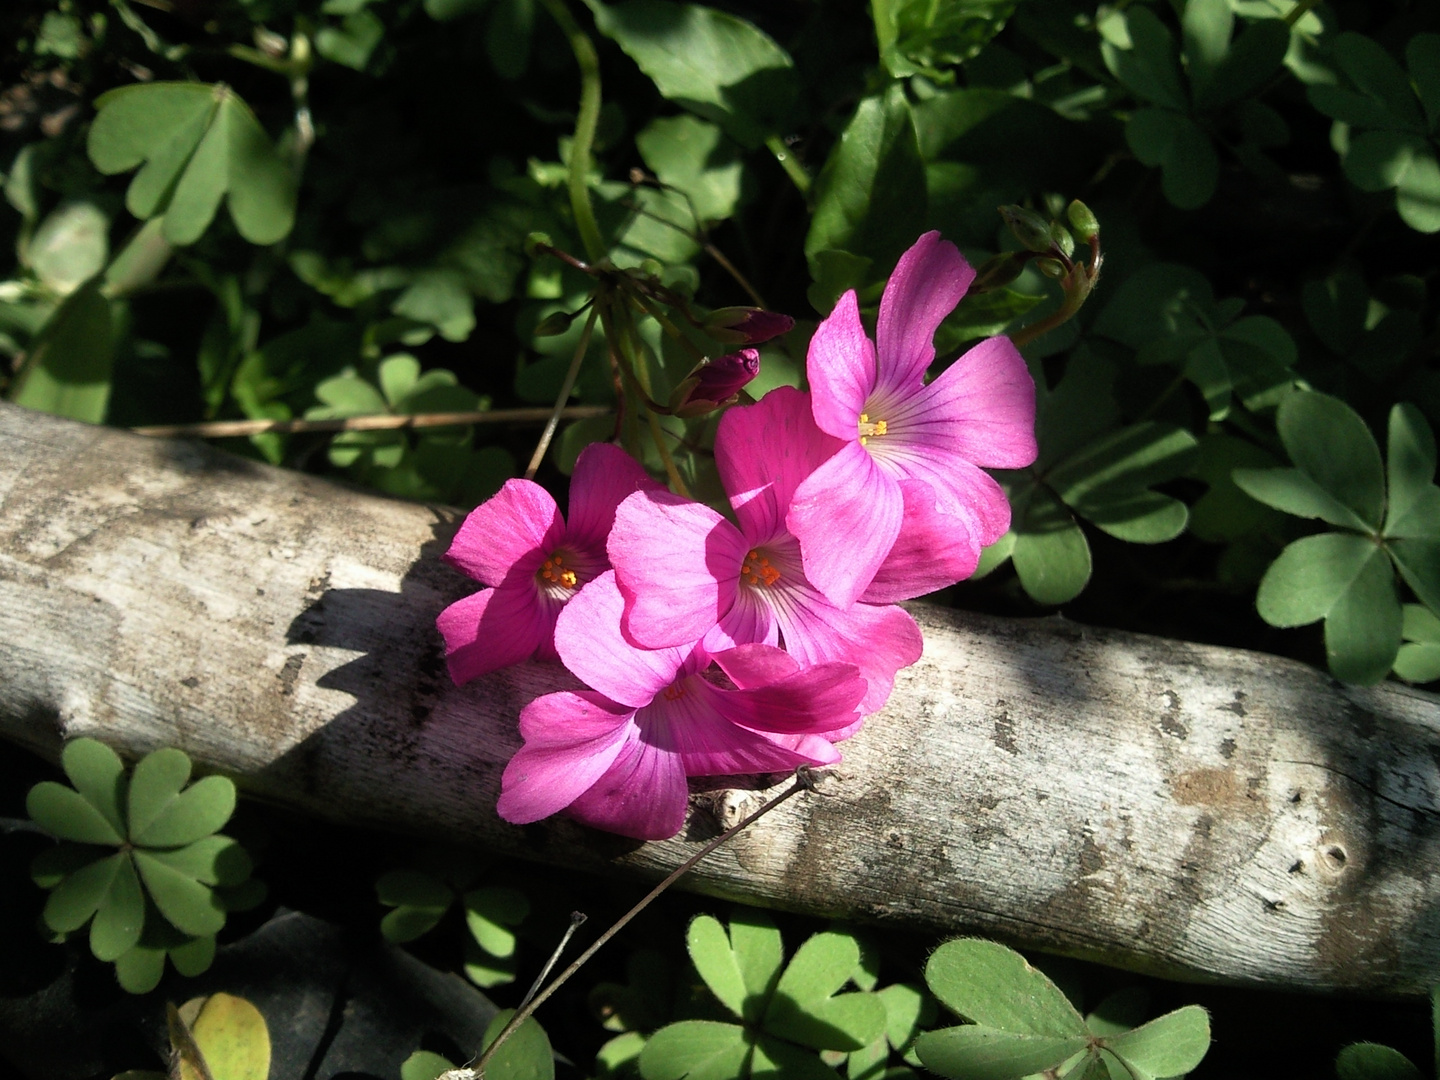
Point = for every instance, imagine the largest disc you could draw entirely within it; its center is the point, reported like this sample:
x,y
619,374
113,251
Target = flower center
x,y
674,692
561,574
868,427
756,570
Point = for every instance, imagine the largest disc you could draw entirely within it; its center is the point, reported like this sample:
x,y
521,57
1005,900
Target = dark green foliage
x,y
139,860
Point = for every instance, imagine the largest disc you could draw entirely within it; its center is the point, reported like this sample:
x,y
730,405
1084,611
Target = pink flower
x,y
688,574
617,756
535,561
895,427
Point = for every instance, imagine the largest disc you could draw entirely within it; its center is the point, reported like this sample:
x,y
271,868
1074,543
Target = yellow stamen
x,y
868,428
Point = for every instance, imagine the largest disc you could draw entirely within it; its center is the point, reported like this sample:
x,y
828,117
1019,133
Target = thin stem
x,y
671,329
564,396
586,122
628,338
228,429
577,920
740,279
804,781
790,163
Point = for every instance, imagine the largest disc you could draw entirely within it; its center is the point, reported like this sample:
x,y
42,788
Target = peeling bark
x,y
1188,810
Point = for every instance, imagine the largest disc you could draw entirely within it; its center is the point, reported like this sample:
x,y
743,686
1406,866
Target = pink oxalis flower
x,y
534,560
896,428
688,574
617,756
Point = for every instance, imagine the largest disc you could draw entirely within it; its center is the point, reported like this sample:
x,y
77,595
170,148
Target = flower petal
x,y
710,742
841,369
960,488
816,699
677,563
879,641
748,621
753,665
980,408
928,282
519,523
933,551
492,629
590,642
846,516
604,476
642,795
764,452
571,740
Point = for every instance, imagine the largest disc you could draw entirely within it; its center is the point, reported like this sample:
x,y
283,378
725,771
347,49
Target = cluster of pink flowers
x,y
713,647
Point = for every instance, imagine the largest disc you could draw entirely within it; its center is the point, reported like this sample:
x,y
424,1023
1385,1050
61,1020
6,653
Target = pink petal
x,y
846,516
841,369
604,476
519,523
492,629
816,699
928,282
677,563
879,641
980,408
571,740
749,620
933,551
590,642
961,489
642,795
764,452
700,728
755,665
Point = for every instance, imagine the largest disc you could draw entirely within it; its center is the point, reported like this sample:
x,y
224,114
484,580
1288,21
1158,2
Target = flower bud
x,y
1064,242
746,325
1082,220
534,241
1032,230
554,324
715,383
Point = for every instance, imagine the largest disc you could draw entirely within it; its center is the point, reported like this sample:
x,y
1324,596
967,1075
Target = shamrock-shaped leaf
x,y
197,144
1390,517
781,1005
1086,468
419,900
1419,658
157,894
1396,114
525,1055
919,37
1023,1024
490,914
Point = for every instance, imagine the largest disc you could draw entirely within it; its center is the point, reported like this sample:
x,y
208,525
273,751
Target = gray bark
x,y
1194,811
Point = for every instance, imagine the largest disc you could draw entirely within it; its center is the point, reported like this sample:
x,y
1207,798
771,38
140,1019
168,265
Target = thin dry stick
x,y
804,781
224,429
564,396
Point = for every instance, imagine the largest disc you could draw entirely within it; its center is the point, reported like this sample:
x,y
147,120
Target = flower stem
x,y
790,163
586,122
804,781
569,384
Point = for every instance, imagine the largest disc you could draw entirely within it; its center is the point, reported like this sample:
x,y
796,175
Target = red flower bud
x,y
746,325
715,383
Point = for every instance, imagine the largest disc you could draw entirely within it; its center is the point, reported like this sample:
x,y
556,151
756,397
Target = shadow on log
x,y
1192,811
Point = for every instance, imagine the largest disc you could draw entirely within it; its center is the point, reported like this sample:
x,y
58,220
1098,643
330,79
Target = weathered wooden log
x,y
1193,811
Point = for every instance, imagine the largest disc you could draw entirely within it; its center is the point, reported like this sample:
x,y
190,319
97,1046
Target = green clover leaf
x,y
195,144
780,1005
1388,517
139,860
1022,1024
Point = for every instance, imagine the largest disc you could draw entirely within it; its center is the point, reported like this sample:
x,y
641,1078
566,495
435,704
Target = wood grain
x,y
1193,811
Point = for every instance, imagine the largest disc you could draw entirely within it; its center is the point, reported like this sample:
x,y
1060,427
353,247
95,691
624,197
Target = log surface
x,y
1193,811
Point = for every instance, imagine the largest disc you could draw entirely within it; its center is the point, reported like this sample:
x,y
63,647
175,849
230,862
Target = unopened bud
x,y
534,242
1061,238
1032,230
746,325
554,324
652,268
715,383
1085,224
1050,267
